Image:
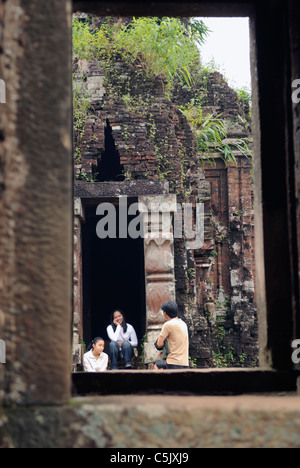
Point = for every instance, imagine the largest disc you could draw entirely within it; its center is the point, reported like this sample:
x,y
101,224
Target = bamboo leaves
x,y
163,46
211,136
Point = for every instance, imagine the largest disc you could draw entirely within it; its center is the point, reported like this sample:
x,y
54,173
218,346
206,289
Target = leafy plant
x,y
162,46
90,43
84,41
210,132
80,113
244,94
193,362
198,31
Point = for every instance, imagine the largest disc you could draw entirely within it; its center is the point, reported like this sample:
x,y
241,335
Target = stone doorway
x,y
113,278
135,275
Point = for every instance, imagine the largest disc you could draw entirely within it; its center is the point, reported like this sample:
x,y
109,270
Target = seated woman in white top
x,y
123,340
95,360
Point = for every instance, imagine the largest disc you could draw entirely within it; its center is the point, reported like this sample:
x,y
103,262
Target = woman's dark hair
x,y
170,308
95,340
124,320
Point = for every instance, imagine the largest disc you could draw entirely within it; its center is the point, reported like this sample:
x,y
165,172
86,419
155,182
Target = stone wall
x,y
34,297
225,270
161,422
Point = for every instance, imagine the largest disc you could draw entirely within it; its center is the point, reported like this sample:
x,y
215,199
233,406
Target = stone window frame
x,y
275,334
36,283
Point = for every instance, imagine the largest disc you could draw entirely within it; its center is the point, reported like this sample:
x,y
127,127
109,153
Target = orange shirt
x,y
176,332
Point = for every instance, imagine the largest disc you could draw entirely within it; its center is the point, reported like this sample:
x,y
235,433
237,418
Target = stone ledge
x,y
188,382
133,188
157,422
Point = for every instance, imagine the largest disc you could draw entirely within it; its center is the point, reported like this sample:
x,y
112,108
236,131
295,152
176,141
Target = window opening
x,y
109,167
192,131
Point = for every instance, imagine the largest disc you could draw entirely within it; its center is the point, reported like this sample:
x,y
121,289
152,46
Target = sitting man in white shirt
x,y
95,360
123,340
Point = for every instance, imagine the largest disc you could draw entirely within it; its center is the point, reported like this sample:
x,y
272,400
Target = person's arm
x,y
160,341
87,365
133,338
113,336
163,335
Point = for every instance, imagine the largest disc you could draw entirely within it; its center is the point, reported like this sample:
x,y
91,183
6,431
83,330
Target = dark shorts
x,y
173,366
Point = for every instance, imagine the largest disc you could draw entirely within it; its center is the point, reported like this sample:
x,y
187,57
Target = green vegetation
x,y
210,134
224,355
163,47
244,95
80,113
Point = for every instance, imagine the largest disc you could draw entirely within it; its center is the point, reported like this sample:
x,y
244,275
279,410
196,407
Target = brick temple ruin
x,y
138,143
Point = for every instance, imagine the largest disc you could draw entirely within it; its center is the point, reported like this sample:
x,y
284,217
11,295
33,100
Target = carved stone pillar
x,y
158,212
77,313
